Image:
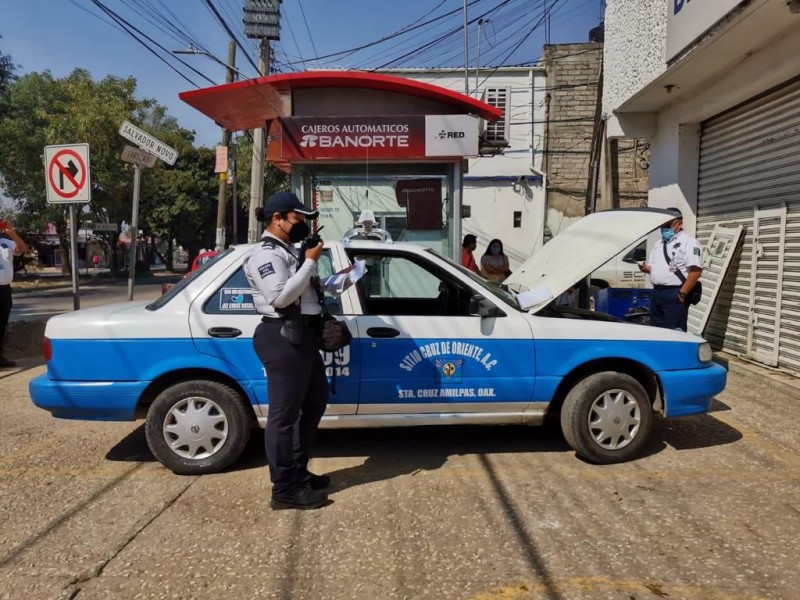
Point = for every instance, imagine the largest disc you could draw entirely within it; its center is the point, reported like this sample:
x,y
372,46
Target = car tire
x,y
198,427
606,417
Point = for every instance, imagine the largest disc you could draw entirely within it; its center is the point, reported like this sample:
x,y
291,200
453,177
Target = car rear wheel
x,y
198,427
606,417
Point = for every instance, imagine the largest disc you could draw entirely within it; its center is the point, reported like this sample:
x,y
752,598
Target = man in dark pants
x,y
675,265
287,343
11,245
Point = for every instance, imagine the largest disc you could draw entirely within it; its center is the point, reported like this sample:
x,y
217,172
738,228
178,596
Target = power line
x,y
232,35
127,26
310,37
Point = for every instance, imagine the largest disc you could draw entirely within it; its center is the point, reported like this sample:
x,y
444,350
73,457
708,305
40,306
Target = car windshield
x,y
496,289
181,285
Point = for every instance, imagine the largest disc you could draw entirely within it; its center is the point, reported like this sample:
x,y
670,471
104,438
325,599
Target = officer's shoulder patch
x,y
266,269
696,251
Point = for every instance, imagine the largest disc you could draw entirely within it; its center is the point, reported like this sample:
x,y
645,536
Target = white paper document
x,y
336,284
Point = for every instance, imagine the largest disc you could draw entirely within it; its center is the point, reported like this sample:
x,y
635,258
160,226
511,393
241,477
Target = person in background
x,y
494,263
467,248
11,245
675,265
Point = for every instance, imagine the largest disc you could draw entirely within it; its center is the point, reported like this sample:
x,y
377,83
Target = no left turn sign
x,y
67,175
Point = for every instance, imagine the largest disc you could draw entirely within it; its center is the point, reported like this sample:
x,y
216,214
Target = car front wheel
x,y
606,417
198,427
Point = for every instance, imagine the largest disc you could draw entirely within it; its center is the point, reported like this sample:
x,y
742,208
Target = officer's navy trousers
x,y
297,389
666,309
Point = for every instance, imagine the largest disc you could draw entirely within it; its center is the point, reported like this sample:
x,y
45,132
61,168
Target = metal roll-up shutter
x,y
749,162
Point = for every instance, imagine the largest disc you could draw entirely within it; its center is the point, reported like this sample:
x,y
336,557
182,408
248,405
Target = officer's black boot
x,y
304,498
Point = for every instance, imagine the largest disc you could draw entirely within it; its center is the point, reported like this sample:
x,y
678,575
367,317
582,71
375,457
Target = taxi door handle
x,y
224,332
382,332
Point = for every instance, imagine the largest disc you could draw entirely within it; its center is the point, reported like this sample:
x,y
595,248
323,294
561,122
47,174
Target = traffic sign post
x,y
137,170
151,148
68,181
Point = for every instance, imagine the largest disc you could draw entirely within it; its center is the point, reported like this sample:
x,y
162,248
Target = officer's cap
x,y
676,212
282,202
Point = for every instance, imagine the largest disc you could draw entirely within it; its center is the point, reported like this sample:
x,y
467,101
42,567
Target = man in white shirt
x,y
11,245
675,265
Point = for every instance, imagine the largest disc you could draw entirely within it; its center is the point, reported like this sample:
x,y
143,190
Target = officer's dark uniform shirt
x,y
683,251
271,269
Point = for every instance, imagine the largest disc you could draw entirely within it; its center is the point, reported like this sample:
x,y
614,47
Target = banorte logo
x,y
309,141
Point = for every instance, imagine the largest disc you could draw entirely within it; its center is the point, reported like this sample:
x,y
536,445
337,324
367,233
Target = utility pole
x,y
259,151
226,141
262,21
466,52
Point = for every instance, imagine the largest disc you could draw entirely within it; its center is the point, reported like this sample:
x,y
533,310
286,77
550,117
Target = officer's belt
x,y
307,320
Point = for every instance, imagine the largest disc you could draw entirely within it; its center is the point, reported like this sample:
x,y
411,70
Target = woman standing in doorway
x,y
494,263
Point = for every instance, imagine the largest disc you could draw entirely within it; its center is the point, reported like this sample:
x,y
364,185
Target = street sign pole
x,y
73,234
135,234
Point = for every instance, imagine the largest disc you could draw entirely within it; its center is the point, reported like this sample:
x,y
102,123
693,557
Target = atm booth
x,y
354,142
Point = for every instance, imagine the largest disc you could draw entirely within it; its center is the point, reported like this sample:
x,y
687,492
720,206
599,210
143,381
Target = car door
x,y
223,319
422,352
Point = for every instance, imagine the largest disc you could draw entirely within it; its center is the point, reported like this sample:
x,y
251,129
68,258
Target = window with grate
x,y
497,97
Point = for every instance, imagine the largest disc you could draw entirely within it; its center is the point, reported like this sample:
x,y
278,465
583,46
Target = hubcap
x,y
614,419
195,428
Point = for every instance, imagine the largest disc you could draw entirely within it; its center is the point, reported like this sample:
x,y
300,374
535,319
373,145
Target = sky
x,y
60,35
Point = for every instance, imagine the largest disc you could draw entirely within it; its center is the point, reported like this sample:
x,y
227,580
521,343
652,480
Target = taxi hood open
x,y
579,250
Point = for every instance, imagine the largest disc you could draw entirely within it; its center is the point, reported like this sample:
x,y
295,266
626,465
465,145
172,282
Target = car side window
x,y
235,296
398,285
637,255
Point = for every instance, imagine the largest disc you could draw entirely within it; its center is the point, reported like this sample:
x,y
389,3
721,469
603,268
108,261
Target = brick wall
x,y
573,71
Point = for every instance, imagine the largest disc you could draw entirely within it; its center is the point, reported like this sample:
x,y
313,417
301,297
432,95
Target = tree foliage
x,y
176,202
42,110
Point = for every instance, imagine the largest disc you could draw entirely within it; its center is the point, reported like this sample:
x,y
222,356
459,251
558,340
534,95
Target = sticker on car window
x,y
236,299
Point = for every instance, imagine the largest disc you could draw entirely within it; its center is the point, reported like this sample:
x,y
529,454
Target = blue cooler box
x,y
627,304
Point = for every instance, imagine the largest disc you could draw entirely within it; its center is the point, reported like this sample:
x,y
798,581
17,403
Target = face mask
x,y
667,234
299,232
495,249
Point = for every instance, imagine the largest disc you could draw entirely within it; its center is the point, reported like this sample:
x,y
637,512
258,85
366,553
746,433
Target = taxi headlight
x,y
704,353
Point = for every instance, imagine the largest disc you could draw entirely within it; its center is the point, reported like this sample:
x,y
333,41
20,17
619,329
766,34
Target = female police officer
x,y
287,343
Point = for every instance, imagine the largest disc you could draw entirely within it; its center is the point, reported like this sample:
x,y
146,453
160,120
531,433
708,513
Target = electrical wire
x,y
310,37
128,26
210,5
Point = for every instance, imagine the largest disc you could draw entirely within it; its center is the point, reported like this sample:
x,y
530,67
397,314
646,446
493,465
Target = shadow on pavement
x,y
393,452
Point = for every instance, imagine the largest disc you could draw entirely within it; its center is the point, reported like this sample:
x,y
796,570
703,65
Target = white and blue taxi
x,y
432,344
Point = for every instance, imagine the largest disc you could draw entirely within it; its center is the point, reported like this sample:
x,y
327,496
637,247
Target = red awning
x,y
249,104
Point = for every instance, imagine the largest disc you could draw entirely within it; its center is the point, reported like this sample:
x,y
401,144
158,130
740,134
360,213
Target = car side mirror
x,y
483,308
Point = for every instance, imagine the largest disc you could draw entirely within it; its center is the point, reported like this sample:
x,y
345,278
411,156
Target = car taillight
x,y
47,349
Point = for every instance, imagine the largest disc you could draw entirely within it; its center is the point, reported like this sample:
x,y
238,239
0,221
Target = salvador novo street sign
x,y
148,142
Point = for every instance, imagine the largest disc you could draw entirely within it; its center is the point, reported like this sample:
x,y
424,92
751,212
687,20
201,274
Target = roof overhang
x,y
725,48
251,103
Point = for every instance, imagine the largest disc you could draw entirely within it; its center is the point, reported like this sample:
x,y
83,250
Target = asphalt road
x,y
711,511
42,304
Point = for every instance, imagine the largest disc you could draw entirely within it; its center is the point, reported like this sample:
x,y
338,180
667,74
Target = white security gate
x,y
717,255
766,285
750,167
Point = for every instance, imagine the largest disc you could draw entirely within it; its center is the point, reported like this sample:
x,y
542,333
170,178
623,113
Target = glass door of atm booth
x,y
417,203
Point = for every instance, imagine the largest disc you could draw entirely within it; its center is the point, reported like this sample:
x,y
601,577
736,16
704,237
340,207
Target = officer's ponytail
x,y
260,216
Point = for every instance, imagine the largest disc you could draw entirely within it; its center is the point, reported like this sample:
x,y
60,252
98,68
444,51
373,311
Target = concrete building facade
x,y
715,87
